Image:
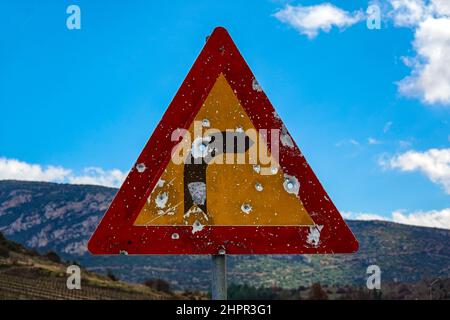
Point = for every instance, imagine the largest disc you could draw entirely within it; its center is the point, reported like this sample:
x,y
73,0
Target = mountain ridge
x,y
61,217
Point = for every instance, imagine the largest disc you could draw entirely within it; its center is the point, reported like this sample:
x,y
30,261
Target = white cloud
x,y
441,6
387,126
98,176
373,141
309,20
432,218
15,169
363,216
351,142
430,75
433,163
430,68
12,169
408,13
429,79
405,143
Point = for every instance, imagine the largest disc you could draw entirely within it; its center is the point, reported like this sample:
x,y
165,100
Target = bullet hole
x,y
205,123
246,208
140,167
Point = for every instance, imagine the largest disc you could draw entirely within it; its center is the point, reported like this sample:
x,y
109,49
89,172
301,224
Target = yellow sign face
x,y
238,194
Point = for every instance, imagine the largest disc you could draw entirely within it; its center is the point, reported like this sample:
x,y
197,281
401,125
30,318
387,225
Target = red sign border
x,y
116,234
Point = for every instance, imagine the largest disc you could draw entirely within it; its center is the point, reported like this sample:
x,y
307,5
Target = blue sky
x,y
76,99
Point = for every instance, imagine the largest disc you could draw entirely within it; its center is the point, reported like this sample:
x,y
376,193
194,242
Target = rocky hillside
x,y
26,274
60,217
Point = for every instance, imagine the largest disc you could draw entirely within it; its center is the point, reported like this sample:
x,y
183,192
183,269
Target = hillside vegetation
x,y
25,274
61,218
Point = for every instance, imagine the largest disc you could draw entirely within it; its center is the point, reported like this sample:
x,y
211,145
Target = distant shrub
x,y
4,251
341,290
195,295
404,290
34,253
377,294
111,275
246,292
53,256
9,245
317,293
354,293
158,285
75,262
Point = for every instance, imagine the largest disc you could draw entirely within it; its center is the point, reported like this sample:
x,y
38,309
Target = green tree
x,y
317,293
111,275
158,285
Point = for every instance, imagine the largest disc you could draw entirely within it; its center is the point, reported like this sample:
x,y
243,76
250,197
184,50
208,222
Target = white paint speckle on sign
x,y
198,192
256,86
140,167
197,226
161,200
285,138
291,184
314,235
200,147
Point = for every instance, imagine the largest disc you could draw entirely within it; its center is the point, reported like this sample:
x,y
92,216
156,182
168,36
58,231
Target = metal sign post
x,y
219,277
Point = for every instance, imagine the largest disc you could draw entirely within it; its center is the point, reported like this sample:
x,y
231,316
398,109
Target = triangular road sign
x,y
221,174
